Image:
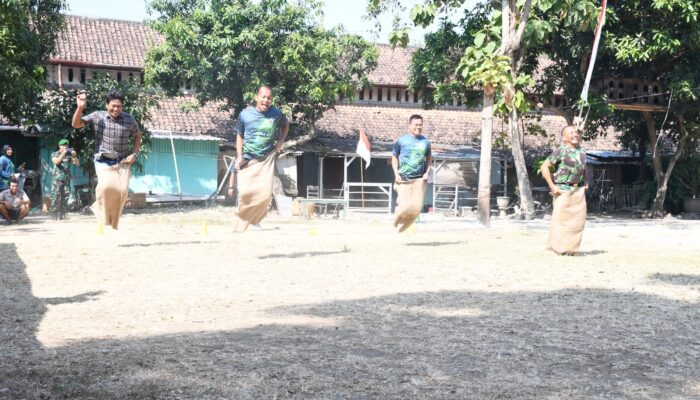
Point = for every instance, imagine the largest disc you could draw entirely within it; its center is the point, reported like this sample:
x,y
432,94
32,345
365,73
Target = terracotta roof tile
x,y
101,41
392,66
444,126
124,43
178,115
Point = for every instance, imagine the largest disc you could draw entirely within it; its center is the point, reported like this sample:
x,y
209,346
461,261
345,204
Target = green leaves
x,y
423,14
479,39
399,38
228,48
28,30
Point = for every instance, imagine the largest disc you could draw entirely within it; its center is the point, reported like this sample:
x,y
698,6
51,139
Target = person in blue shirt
x,y
7,168
260,133
260,130
411,160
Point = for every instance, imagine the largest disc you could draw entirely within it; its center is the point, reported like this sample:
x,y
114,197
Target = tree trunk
x,y
511,35
483,197
527,204
642,174
662,176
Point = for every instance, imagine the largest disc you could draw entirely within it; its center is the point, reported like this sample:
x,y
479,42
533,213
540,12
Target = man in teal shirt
x,y
411,160
260,133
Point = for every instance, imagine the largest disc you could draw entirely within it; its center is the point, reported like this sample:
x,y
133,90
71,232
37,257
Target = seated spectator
x,y
14,203
7,168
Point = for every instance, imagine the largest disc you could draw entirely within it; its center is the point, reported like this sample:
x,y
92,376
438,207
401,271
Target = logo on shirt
x,y
267,126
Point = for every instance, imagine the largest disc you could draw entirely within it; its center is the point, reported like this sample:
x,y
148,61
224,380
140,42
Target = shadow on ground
x,y
576,343
302,254
172,243
676,279
433,244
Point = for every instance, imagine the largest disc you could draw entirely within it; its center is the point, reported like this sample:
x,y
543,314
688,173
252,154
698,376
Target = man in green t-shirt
x,y
568,185
60,188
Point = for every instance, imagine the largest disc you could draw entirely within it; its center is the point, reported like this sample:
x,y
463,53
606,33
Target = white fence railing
x,y
369,196
449,198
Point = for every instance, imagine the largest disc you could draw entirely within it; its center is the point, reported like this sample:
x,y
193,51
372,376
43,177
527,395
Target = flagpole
x,y
594,53
362,186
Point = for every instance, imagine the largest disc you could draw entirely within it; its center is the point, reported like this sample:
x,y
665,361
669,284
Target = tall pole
x,y
177,172
362,187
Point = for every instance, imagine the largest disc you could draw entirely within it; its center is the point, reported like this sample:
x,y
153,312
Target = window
x,y
94,74
141,77
369,92
379,94
131,75
361,94
188,84
415,97
405,97
398,95
82,75
388,95
70,74
119,76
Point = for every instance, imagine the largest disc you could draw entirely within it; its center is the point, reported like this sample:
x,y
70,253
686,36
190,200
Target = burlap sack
x,y
111,192
568,221
254,192
409,202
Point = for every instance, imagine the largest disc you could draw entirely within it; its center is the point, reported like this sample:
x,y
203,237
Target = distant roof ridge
x,y
105,19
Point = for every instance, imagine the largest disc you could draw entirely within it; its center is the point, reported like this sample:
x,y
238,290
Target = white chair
x,y
313,192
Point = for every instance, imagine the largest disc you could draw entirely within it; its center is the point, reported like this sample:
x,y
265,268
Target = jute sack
x,y
568,221
254,192
409,202
111,192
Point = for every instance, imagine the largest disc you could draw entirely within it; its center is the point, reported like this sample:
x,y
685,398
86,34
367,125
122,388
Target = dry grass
x,y
332,309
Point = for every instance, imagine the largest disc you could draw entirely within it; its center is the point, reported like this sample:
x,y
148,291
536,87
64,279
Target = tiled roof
x,y
387,123
98,41
445,126
178,115
124,43
392,66
329,146
102,41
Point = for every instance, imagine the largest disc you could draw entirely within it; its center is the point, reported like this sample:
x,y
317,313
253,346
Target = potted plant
x,y
687,175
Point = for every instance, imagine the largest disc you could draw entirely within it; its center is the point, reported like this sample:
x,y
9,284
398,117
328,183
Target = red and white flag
x,y
364,148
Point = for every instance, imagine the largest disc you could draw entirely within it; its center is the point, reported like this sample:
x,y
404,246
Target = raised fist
x,y
82,100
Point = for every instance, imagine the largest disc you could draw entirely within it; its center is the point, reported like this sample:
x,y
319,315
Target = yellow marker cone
x,y
313,231
412,229
205,228
100,229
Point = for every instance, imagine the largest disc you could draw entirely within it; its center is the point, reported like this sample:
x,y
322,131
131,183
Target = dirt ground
x,y
176,306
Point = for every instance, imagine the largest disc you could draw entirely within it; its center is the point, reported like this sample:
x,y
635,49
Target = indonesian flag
x,y
364,148
594,52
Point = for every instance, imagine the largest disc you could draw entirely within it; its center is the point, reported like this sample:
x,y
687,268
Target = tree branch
x,y
522,24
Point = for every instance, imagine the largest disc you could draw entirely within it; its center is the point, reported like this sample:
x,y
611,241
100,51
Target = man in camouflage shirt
x,y
568,185
569,163
60,188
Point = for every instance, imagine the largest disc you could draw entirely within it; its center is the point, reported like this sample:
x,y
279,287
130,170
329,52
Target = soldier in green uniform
x,y
568,185
60,189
